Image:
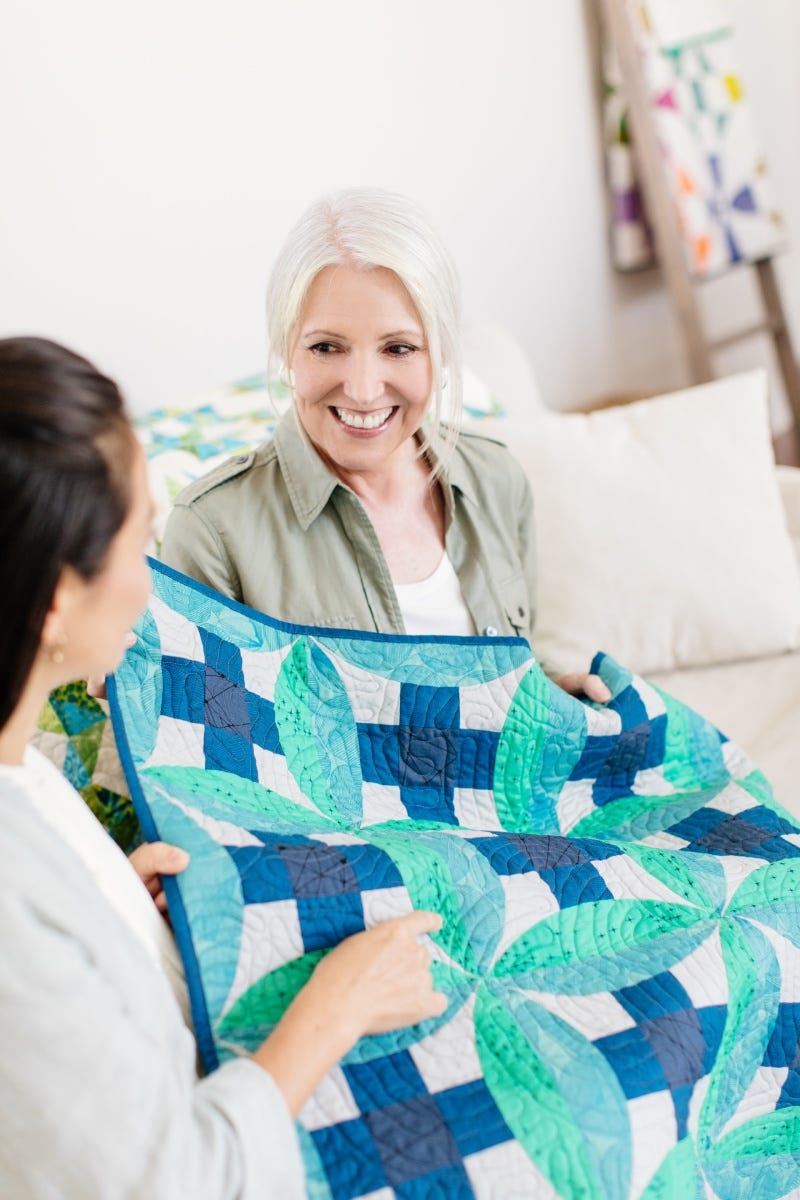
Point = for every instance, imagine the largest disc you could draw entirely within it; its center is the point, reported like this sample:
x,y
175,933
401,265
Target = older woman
x,y
358,514
98,1094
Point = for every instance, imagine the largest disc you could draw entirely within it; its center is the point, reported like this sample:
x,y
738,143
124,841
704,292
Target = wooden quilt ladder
x,y
670,243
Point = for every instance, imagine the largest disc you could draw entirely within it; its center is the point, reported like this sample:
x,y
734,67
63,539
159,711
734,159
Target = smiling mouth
x,y
370,421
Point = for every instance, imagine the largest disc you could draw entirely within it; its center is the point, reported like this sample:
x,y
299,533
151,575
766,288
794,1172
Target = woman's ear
x,y
55,629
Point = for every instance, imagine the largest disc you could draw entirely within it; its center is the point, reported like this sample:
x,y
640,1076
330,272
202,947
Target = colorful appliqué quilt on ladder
x,y
621,947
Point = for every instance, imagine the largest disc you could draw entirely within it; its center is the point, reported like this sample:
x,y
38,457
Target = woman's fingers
x,y
577,683
157,858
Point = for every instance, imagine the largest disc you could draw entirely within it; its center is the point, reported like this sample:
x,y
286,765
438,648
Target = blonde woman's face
x,y
362,371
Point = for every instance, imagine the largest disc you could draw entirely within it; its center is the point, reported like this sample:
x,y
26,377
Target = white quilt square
x,y
178,744
179,636
331,1103
505,1172
486,705
271,936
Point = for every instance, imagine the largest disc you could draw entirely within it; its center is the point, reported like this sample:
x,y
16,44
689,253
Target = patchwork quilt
x,y
621,904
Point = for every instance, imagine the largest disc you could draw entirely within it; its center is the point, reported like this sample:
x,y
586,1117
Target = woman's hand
x,y
382,977
152,860
579,684
371,983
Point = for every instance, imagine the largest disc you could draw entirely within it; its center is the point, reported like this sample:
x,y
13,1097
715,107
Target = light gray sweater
x,y
98,1092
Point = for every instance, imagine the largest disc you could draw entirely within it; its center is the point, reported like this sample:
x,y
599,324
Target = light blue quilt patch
x,y
621,903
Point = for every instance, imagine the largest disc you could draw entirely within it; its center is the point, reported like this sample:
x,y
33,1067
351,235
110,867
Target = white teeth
x,y
365,420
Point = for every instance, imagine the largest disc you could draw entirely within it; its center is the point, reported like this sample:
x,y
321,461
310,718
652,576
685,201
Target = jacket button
x,y
490,631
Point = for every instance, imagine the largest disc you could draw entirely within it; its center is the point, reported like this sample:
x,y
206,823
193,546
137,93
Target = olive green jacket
x,y
278,531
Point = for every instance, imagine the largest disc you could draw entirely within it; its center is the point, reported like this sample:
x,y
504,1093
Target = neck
x,y
19,729
391,483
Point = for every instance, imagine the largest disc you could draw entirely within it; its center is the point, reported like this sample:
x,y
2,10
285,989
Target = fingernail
x,y
177,855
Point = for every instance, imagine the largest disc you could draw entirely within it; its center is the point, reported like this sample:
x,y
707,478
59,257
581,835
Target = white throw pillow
x,y
661,534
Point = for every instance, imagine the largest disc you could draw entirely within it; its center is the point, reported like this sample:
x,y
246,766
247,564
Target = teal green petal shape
x,y
335,735
698,879
603,945
406,660
228,797
254,1014
446,875
458,988
529,1097
678,1177
693,748
216,928
759,1160
754,986
139,678
586,1083
634,818
296,726
771,895
519,751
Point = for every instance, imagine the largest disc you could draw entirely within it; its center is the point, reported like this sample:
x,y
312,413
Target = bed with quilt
x,y
620,894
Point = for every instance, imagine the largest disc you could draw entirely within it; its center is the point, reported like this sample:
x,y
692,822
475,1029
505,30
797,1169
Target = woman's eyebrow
x,y
384,337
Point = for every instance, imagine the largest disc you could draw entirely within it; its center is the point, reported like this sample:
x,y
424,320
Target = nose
x,y
363,379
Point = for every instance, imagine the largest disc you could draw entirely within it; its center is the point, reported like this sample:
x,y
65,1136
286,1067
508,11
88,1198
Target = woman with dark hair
x,y
98,1093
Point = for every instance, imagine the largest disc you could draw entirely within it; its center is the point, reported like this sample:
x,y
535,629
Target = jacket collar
x,y
311,483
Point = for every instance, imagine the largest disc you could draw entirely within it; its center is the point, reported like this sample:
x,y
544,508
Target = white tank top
x,y
435,605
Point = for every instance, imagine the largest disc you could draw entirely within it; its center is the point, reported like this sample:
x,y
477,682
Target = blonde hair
x,y
370,227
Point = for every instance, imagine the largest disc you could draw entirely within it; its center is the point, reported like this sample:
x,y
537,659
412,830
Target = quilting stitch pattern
x,y
621,947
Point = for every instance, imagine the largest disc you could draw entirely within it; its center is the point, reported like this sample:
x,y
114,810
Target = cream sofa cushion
x,y
661,534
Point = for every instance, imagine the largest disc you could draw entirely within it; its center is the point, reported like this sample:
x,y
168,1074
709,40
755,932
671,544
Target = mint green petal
x,y
698,879
603,945
522,741
228,797
479,893
139,681
257,1011
530,1100
335,735
458,988
759,1160
678,1177
758,786
561,751
775,886
772,1133
427,879
693,748
295,722
754,986
216,928
634,818
586,1083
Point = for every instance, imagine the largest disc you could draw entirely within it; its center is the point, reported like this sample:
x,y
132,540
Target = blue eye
x,y
400,349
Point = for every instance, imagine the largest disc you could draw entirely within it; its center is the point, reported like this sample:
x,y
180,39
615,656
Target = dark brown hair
x,y
66,450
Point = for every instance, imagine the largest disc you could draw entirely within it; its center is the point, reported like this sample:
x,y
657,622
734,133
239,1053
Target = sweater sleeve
x,y
98,1093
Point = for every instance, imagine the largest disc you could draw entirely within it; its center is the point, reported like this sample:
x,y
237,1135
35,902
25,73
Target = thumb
x,y
158,858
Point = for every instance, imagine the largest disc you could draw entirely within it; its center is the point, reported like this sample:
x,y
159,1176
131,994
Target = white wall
x,y
155,154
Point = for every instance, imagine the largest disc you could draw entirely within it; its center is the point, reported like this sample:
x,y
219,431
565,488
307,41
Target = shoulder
x,y
486,465
234,474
